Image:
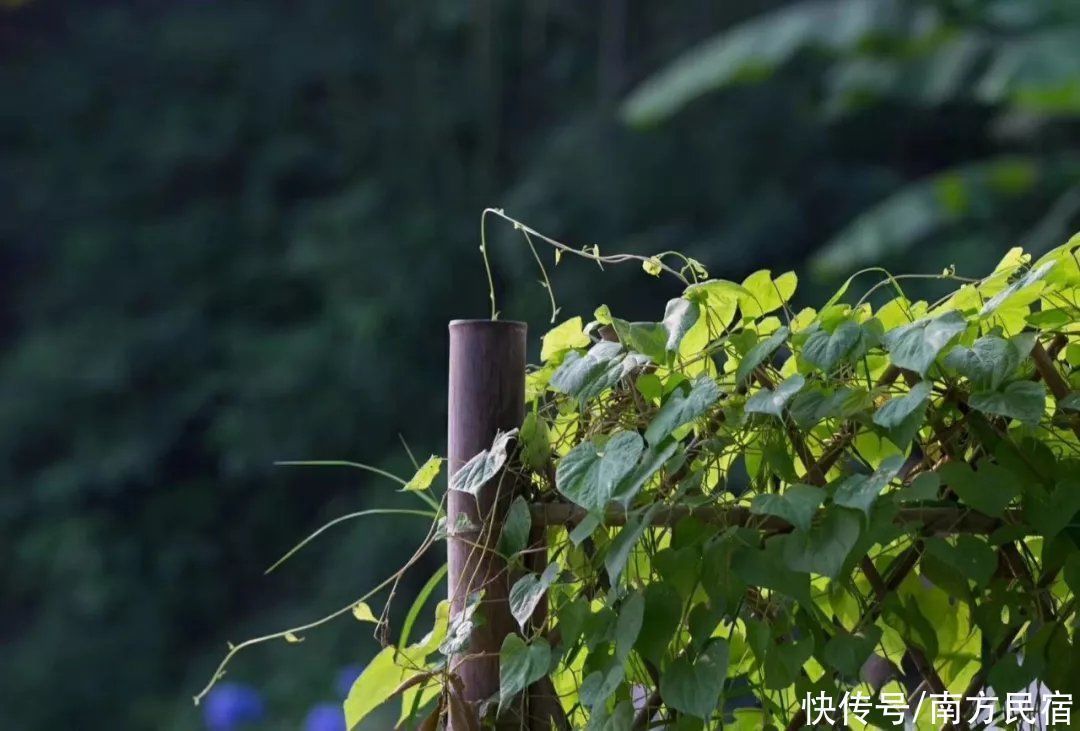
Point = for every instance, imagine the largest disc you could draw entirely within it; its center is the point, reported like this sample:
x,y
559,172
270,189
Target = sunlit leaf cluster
x,y
746,502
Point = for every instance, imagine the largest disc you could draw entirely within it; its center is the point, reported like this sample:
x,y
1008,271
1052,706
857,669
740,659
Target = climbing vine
x,y
746,506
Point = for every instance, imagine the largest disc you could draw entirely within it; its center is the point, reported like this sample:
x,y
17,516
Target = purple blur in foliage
x,y
345,679
232,706
325,717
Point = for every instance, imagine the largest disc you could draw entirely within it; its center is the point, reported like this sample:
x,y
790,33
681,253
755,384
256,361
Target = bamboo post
x,y
486,395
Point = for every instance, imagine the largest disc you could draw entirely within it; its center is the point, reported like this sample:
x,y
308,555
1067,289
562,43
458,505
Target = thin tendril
x,y
585,253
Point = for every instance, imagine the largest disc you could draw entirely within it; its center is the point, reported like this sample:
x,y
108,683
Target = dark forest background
x,y
233,232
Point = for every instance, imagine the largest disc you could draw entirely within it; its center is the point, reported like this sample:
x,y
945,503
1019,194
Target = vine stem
x,y
585,253
427,499
234,649
350,516
219,672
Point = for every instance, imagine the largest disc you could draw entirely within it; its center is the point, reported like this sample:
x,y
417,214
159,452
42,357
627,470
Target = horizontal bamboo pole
x,y
932,520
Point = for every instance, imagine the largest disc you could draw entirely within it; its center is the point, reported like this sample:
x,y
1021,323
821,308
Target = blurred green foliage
x,y
233,233
1017,60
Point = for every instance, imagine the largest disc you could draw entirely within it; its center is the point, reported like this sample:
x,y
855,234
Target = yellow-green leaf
x,y
363,613
765,294
425,475
652,266
374,687
567,335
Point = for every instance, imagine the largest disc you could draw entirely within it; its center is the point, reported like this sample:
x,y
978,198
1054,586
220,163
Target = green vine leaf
x,y
461,627
621,546
902,612
758,354
1071,573
679,316
768,569
526,593
772,402
584,529
917,345
814,403
784,661
361,612
990,490
847,653
476,473
679,568
902,416
1050,514
861,491
521,665
1024,401
516,528
391,667
694,688
680,409
924,487
535,442
620,719
589,473
849,341
897,410
587,376
374,687
663,612
824,548
720,297
987,363
599,685
652,461
971,557
797,505
628,626
944,465
1071,402
647,338
1029,284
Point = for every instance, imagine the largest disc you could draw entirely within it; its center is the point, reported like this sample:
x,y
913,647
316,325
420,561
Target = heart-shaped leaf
x,y
987,363
917,345
475,473
620,719
516,528
619,551
679,316
598,685
663,610
694,688
796,505
564,336
847,652
521,665
527,592
772,402
824,548
848,341
861,491
681,408
1021,400
589,473
758,354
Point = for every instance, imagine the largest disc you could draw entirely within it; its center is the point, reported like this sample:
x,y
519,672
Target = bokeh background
x,y
233,232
